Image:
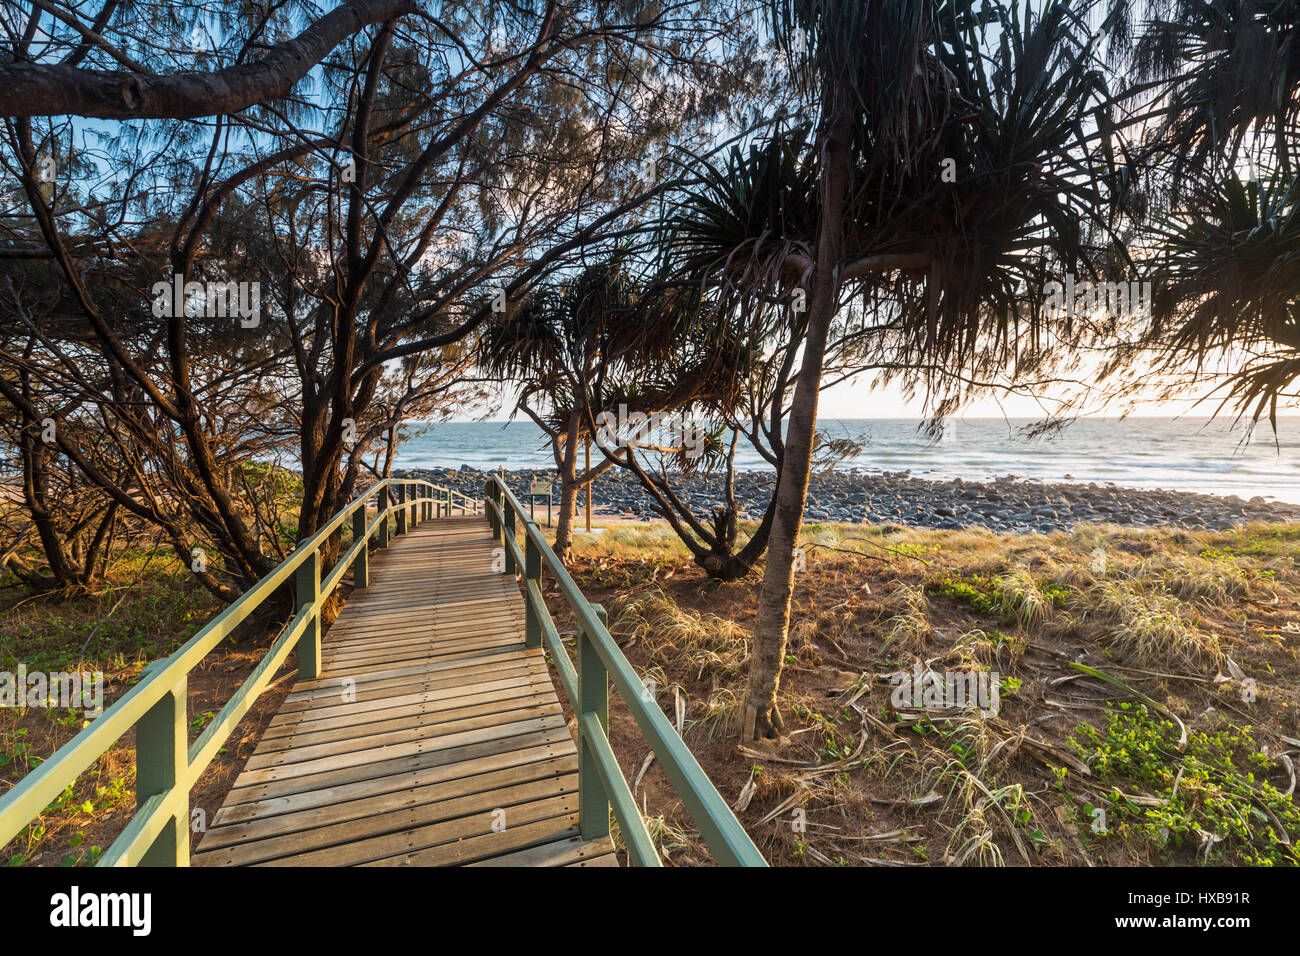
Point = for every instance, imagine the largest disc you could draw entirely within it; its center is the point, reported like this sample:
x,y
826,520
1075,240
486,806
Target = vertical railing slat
x,y
361,563
162,755
509,513
532,572
306,585
593,697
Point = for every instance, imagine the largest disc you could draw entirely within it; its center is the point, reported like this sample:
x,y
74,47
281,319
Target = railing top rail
x,y
718,825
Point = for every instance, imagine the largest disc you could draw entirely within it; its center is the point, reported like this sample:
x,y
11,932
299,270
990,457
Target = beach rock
x,y
896,499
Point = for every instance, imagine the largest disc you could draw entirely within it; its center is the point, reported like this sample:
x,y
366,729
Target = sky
x,y
857,399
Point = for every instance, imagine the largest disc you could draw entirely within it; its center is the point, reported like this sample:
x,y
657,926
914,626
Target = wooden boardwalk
x,y
431,738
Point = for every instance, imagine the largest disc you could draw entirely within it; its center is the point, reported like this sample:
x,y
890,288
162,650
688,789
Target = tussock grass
x,y
908,624
634,541
720,714
1157,634
1022,598
711,645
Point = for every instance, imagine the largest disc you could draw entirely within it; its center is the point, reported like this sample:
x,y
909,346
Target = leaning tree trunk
x,y
568,489
761,716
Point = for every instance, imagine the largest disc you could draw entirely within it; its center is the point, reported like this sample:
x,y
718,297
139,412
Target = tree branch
x,y
38,89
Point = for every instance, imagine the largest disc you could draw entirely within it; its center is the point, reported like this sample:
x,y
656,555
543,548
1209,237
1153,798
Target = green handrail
x,y
600,781
166,765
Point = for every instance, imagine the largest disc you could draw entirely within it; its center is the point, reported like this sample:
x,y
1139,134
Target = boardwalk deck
x,y
432,737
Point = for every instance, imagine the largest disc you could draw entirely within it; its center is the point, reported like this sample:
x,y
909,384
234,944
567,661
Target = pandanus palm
x,y
561,344
1229,292
590,343
949,171
1214,87
1217,78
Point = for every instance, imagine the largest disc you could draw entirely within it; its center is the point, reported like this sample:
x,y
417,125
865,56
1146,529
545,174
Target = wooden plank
x,y
523,682
427,647
434,669
444,843
362,629
381,670
460,840
332,779
570,852
415,680
468,849
371,708
446,684
377,640
396,613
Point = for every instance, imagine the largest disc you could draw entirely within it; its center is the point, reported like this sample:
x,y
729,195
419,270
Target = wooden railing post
x,y
532,572
400,490
426,505
383,510
593,698
490,495
416,504
306,587
510,531
161,757
361,563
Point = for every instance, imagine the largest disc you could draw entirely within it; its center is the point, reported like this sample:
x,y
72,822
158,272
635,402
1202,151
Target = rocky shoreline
x,y
1006,504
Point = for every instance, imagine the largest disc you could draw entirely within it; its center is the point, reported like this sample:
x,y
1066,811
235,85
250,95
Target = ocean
x,y
1185,454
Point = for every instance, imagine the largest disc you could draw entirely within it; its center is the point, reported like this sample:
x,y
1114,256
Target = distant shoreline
x,y
1006,504
1195,455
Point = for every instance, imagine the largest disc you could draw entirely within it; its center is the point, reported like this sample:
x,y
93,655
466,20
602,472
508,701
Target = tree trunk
x,y
761,716
568,489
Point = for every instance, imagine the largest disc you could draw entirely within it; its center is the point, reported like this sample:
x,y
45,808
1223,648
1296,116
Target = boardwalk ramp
x,y
432,737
